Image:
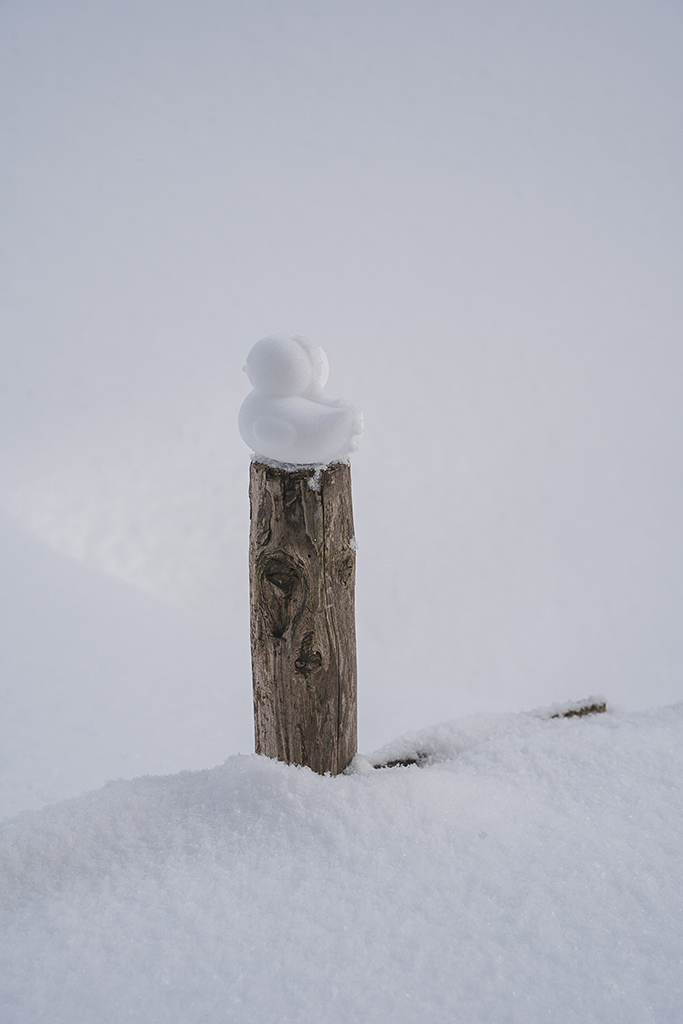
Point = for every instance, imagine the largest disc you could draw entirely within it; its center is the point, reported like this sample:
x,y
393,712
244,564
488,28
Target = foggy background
x,y
475,207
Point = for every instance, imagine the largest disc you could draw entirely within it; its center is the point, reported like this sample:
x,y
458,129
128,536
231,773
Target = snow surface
x,y
99,681
532,874
288,417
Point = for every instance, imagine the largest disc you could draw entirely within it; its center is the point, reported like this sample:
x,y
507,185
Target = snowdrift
x,y
530,871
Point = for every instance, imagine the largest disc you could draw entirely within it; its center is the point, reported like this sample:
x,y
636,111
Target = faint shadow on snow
x,y
156,501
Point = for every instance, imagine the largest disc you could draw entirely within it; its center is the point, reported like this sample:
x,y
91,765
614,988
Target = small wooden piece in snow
x,y
403,762
591,706
302,568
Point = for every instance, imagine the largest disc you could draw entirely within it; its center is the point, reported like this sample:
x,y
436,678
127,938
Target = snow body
x,y
288,417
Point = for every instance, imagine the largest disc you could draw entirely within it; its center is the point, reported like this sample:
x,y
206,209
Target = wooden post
x,y
302,569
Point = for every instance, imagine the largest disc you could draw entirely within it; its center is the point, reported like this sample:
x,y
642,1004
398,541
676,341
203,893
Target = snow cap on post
x,y
288,418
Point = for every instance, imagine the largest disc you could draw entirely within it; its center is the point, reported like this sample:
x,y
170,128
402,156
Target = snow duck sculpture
x,y
288,418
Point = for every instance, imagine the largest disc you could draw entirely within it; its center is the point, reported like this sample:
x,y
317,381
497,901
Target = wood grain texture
x,y
302,571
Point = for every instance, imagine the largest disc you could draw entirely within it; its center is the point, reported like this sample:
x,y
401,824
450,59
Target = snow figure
x,y
288,417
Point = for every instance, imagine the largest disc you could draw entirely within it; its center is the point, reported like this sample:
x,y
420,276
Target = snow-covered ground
x,y
533,873
530,869
475,207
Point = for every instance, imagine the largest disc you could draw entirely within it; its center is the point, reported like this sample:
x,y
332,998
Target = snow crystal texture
x,y
533,874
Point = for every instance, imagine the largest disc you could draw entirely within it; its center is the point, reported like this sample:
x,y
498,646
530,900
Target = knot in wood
x,y
281,575
281,589
308,660
345,569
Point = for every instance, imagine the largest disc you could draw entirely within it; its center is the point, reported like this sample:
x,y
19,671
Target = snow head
x,y
285,365
288,417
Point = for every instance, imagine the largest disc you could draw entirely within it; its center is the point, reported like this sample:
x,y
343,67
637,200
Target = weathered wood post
x,y
302,571
302,557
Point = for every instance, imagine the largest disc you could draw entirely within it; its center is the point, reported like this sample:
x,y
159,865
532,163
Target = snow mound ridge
x,y
533,874
442,742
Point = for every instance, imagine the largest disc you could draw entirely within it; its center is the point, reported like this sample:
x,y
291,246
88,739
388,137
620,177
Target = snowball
x,y
278,366
288,417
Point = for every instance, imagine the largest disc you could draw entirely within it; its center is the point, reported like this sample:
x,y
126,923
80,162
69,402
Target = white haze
x,y
475,207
